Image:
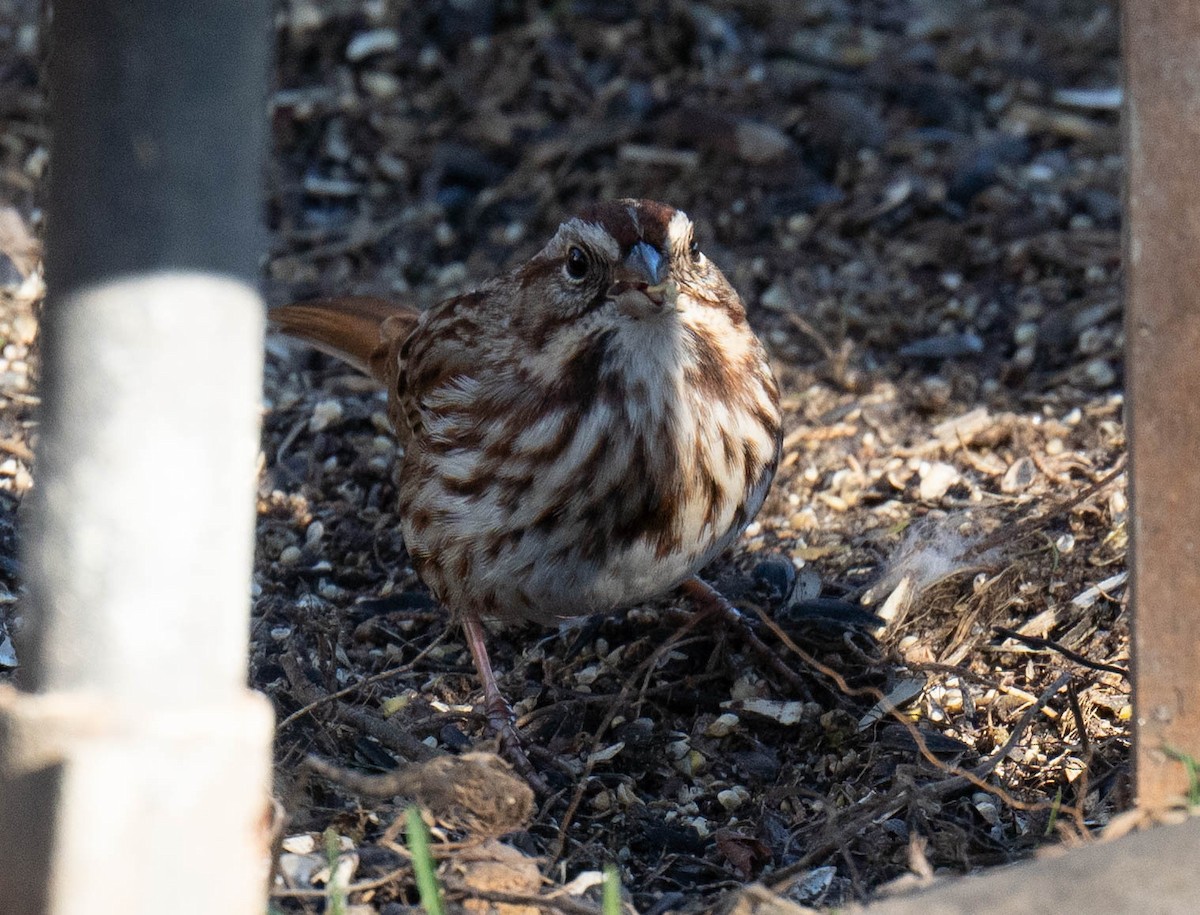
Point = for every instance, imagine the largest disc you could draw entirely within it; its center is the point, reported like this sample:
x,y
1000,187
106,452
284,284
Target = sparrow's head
x,y
634,258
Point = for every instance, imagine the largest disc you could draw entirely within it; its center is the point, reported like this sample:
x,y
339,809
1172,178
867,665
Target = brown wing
x,y
451,345
410,352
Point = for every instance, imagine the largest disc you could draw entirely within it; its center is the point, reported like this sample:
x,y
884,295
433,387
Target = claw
x,y
709,600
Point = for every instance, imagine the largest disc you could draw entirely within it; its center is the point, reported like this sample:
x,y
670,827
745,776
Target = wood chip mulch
x,y
919,201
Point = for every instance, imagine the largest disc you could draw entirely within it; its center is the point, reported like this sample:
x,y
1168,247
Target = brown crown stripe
x,y
647,222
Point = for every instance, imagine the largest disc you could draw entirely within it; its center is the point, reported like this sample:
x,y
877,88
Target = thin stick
x,y
355,687
1036,642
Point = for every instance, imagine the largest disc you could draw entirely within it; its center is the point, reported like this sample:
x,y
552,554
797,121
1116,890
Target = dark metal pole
x,y
1162,263
135,771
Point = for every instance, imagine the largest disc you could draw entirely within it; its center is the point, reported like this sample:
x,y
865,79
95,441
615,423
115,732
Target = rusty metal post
x,y
1162,263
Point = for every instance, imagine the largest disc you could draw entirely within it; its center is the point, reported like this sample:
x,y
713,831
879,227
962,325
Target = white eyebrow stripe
x,y
678,229
591,234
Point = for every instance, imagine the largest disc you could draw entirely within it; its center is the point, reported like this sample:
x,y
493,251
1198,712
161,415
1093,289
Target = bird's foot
x,y
500,715
709,600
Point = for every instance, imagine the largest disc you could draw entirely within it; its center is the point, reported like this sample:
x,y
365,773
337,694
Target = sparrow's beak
x,y
643,265
641,286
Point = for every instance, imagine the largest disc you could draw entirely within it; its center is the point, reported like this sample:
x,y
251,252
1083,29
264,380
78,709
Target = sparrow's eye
x,y
694,251
577,264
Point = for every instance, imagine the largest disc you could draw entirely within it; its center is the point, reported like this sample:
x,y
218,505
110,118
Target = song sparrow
x,y
580,434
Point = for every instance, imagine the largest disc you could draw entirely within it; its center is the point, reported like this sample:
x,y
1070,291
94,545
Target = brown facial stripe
x,y
540,331
583,379
539,326
712,373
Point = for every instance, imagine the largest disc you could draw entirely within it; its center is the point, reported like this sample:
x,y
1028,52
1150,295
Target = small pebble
x,y
452,275
429,58
1039,172
807,587
936,480
330,591
289,555
587,676
8,652
315,532
723,725
800,223
759,143
777,574
898,601
1026,333
776,297
325,414
1100,374
1093,340
1055,447
745,687
392,167
1023,358
733,798
944,346
380,84
303,844
1018,477
376,41
678,749
934,393
24,327
35,165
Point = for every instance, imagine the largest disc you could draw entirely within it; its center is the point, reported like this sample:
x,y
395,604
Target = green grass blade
x,y
337,892
611,900
422,862
1192,768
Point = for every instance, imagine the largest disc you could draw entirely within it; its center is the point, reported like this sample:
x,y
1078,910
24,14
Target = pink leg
x,y
499,712
710,600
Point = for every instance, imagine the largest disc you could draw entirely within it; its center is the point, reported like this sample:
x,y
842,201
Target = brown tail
x,y
363,331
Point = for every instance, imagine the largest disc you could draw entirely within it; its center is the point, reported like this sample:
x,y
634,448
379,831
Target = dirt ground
x,y
919,201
